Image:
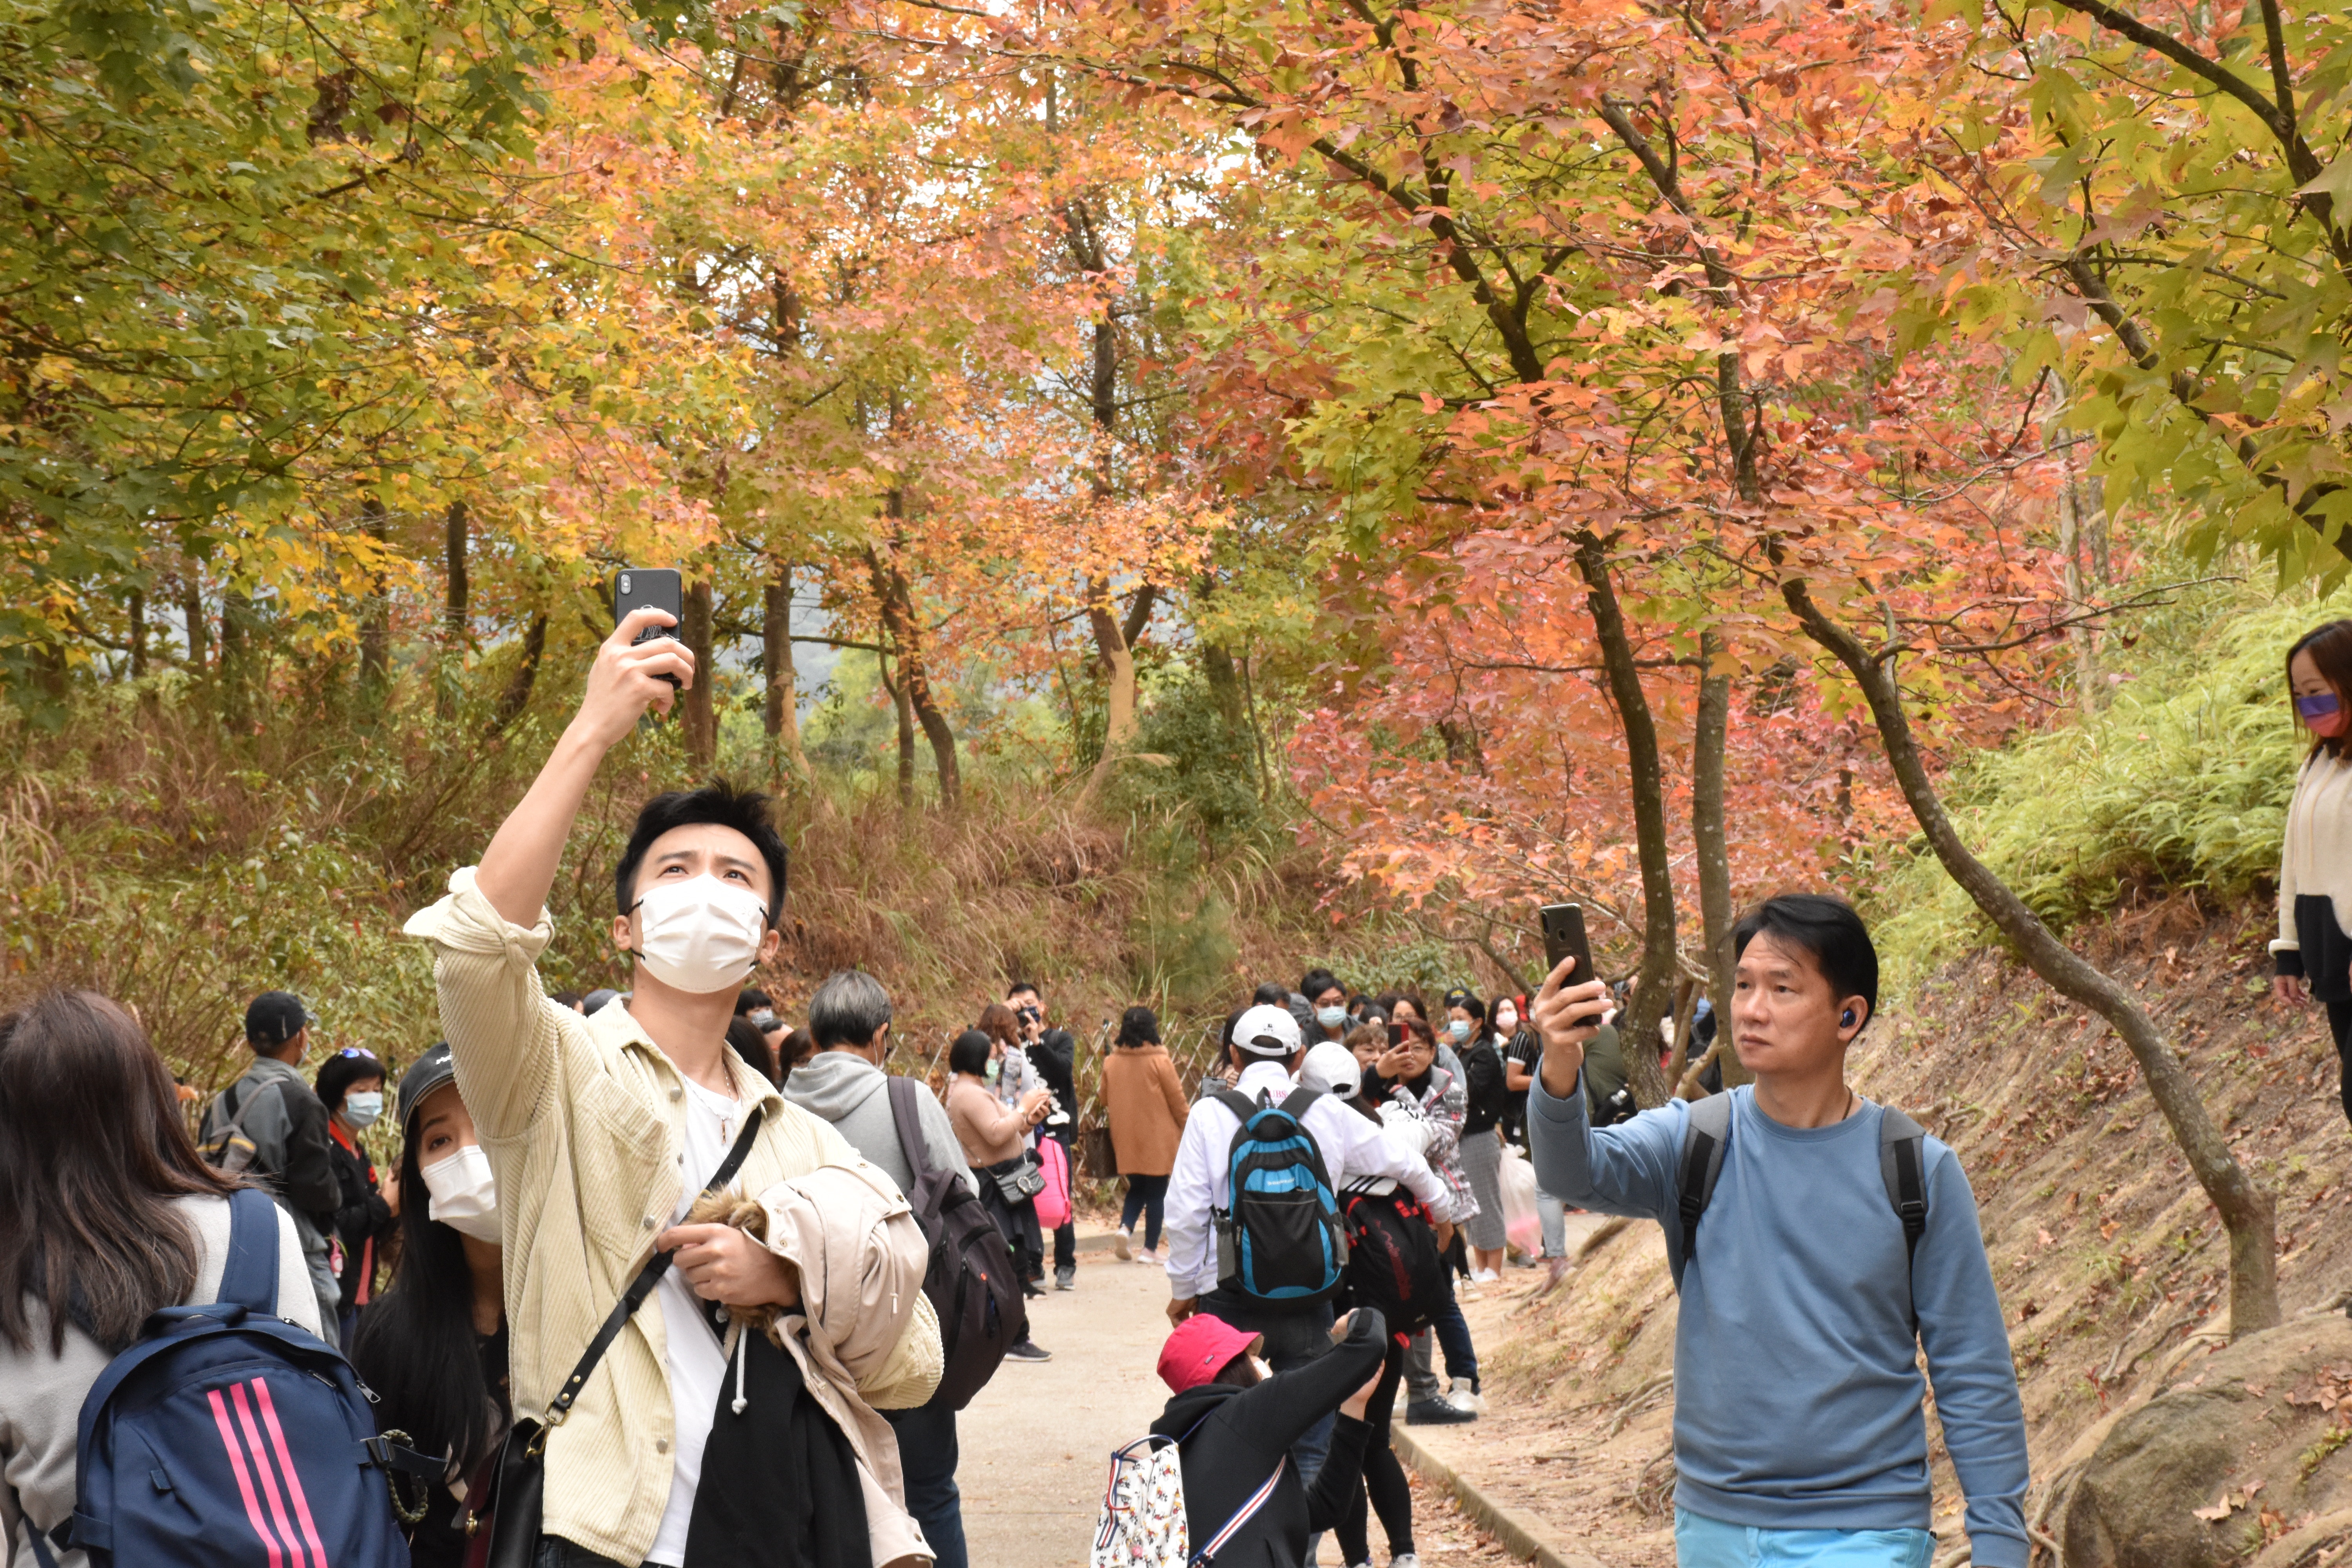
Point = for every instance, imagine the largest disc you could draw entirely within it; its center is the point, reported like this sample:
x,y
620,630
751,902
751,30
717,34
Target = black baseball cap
x,y
425,1074
275,1018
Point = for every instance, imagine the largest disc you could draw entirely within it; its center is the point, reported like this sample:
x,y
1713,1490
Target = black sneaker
x,y
1028,1350
1065,1278
1032,1289
1420,1413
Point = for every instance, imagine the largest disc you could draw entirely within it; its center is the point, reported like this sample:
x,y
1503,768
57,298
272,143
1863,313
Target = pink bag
x,y
1053,1200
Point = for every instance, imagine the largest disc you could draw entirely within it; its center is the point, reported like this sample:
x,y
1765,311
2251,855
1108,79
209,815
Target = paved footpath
x,y
1036,1441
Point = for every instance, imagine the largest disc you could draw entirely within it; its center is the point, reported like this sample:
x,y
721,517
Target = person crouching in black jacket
x,y
1234,1420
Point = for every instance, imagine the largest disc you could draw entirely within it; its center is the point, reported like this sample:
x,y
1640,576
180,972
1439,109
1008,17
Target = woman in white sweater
x,y
107,1213
2313,953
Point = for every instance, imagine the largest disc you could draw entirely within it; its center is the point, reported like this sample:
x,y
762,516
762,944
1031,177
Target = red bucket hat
x,y
1199,1349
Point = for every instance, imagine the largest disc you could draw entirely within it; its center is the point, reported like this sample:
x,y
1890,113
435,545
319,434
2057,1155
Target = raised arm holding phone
x,y
602,1130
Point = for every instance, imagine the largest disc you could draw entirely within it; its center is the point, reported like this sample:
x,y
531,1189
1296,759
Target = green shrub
x,y
2179,782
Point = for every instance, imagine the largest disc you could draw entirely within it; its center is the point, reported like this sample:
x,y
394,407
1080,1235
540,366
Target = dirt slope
x,y
2110,1262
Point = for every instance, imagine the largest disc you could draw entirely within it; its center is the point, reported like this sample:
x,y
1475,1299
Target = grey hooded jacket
x,y
288,1130
849,1092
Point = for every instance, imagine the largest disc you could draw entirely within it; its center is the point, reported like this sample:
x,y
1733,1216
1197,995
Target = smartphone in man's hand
x,y
660,587
1563,934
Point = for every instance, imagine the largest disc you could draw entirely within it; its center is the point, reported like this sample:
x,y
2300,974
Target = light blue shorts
x,y
1701,1542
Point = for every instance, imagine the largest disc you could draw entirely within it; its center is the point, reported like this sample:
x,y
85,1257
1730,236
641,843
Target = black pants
x,y
2339,1024
1065,1235
1384,1479
927,1456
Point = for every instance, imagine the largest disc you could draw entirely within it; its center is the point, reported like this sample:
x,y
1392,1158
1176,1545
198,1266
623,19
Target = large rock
x,y
2249,1445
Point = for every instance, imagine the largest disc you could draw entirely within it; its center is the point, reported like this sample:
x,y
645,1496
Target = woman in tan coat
x,y
1147,1107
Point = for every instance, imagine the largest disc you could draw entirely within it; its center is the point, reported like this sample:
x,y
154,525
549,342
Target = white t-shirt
x,y
695,1367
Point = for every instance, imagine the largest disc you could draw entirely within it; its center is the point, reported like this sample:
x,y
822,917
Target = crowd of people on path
x,y
657,1278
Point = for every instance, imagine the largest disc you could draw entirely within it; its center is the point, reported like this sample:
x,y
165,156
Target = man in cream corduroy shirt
x,y
601,1129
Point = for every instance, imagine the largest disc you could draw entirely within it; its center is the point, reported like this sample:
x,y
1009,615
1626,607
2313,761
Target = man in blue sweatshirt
x,y
1800,1436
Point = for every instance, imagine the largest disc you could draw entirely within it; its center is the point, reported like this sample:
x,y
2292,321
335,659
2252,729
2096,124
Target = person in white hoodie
x,y
845,1084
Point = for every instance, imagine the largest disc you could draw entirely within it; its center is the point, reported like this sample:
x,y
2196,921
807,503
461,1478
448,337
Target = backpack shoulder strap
x,y
1705,1135
911,1130
1234,1100
249,1278
1298,1102
1903,1165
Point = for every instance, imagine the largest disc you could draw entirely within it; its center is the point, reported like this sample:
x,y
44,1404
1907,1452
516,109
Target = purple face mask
x,y
2318,707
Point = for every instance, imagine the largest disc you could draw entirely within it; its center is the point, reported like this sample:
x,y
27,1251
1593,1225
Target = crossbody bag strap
x,y
648,1278
1242,1515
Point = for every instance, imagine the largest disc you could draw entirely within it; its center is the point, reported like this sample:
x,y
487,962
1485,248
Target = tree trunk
x,y
784,704
1224,681
2070,541
517,695
2246,1210
375,626
701,720
1654,982
455,610
137,635
194,619
896,601
236,655
906,713
1709,834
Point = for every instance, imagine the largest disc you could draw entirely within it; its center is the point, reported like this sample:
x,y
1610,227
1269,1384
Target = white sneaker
x,y
1405,1560
1145,1256
1484,1277
1119,1244
1465,1398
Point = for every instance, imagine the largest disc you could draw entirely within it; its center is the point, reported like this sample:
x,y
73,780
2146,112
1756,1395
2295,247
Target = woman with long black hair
x,y
434,1346
107,1213
1487,1097
2314,899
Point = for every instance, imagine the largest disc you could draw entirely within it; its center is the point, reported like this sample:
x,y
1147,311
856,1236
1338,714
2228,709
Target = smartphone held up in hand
x,y
659,588
1563,935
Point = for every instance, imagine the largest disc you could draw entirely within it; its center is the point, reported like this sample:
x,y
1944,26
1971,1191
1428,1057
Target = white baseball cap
x,y
1331,1067
1262,1022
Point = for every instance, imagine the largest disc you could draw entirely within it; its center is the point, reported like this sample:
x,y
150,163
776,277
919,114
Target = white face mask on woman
x,y
360,1109
1505,1021
700,934
465,1192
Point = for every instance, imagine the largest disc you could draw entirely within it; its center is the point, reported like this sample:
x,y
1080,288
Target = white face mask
x,y
362,1109
465,1194
1505,1021
700,934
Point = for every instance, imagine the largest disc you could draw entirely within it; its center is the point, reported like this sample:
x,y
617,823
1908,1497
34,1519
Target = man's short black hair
x,y
719,804
1018,986
1825,927
752,1000
1317,981
1273,993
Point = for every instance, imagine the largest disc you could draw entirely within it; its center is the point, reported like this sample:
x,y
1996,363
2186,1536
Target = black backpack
x,y
1901,1165
1394,1263
970,1280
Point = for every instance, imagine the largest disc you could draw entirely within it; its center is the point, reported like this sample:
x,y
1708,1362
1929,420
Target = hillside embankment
x,y
2111,1264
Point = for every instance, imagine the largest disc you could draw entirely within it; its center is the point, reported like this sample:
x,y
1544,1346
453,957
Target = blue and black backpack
x,y
227,1438
1281,1236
